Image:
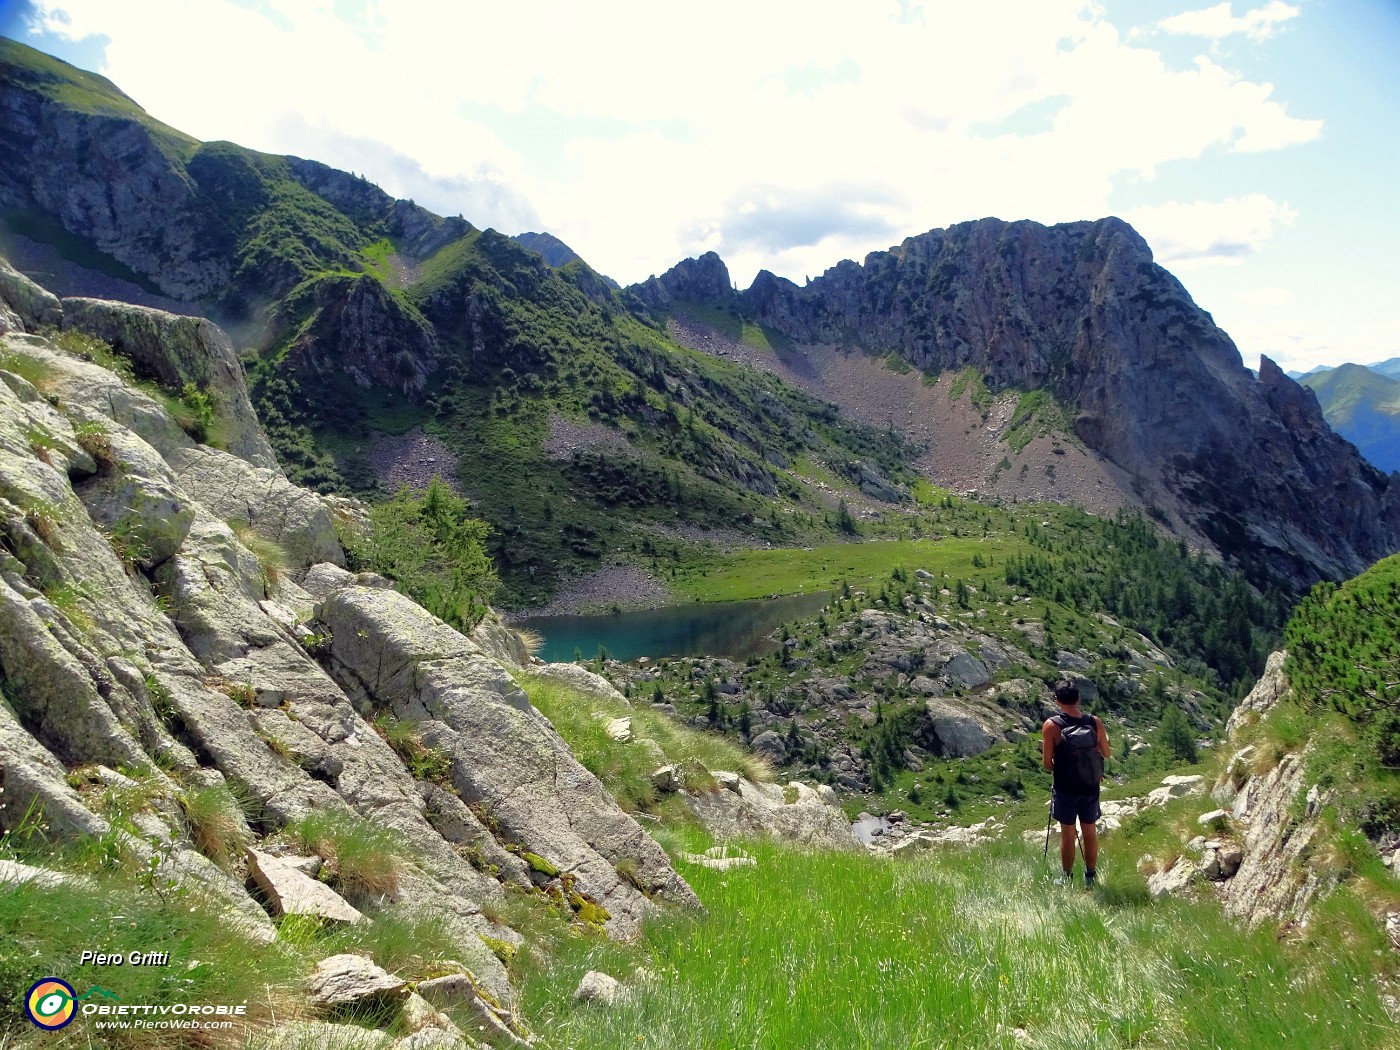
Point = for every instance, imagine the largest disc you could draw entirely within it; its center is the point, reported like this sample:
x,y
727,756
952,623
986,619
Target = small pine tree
x,y
844,521
1176,735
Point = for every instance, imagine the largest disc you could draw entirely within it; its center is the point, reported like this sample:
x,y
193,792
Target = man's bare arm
x,y
1049,733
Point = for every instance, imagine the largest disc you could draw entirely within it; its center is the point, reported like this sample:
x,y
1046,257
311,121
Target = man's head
x,y
1067,693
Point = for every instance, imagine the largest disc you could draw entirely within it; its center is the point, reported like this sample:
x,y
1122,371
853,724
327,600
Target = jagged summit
x,y
702,281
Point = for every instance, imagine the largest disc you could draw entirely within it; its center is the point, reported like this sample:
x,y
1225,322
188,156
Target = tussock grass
x,y
271,558
94,439
360,857
958,949
216,823
424,762
625,769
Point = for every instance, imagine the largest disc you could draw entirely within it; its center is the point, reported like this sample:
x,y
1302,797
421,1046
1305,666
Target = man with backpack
x,y
1073,746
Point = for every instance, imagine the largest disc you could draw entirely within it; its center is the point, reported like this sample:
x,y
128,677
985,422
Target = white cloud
x,y
787,134
1219,21
1185,234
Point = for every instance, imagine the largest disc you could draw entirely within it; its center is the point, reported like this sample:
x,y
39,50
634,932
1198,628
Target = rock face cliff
x,y
1081,311
144,624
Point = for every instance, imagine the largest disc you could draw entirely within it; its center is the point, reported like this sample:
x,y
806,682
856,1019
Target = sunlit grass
x,y
752,573
957,949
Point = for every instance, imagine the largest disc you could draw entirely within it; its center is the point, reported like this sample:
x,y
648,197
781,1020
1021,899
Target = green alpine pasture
x,y
974,949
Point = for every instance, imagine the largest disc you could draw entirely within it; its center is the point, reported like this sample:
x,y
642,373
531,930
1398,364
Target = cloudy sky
x,y
1254,143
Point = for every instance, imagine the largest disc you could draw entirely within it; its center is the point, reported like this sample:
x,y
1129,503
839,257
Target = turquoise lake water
x,y
735,630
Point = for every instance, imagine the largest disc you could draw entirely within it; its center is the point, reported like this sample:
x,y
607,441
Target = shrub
x,y
435,551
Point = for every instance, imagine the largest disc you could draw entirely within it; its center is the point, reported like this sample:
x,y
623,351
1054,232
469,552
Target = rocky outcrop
x,y
295,520
389,654
24,305
352,325
1257,855
148,621
796,812
704,280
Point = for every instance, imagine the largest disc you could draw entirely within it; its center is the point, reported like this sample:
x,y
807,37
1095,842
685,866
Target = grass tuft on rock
x,y
216,823
360,857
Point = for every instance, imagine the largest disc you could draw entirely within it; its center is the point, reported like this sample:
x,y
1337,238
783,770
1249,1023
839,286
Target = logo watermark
x,y
51,1004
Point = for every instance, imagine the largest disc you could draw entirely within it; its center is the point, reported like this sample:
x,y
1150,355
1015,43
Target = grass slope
x,y
958,949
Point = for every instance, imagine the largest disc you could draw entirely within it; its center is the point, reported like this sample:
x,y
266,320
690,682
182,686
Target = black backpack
x,y
1078,764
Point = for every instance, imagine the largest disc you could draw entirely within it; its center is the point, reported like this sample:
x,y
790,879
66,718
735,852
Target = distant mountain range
x,y
1362,403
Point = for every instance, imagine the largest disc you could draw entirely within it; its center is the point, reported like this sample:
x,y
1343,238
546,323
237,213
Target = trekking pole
x,y
1049,816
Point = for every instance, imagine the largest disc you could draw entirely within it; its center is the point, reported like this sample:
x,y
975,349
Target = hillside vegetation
x,y
1344,663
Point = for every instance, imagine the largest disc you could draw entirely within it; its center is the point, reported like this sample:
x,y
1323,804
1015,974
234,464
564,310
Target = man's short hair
x,y
1066,692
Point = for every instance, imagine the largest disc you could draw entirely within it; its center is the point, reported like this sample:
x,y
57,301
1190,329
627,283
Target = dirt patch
x,y
567,436
412,460
612,587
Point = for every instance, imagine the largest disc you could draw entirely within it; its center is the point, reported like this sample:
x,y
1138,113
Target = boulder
x,y
597,987
619,729
579,679
967,671
666,779
797,813
345,980
457,990
290,891
771,746
722,858
962,728
1174,879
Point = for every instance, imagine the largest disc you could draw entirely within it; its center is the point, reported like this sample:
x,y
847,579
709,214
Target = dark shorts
x,y
1068,806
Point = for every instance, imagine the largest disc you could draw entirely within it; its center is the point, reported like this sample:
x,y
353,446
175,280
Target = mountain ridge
x,y
1081,310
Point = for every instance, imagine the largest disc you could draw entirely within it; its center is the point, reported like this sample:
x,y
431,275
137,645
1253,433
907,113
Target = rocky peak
x,y
550,248
704,281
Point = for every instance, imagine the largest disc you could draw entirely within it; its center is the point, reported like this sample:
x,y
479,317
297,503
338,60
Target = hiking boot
x,y
1091,876
1065,878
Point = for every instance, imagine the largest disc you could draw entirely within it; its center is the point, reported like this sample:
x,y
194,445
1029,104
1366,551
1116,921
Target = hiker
x,y
1073,746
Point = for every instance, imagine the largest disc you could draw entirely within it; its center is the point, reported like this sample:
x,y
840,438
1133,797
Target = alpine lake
x,y
734,630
